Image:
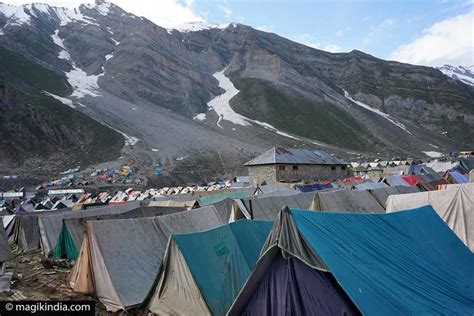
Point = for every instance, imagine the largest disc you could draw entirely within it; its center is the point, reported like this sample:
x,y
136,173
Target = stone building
x,y
295,165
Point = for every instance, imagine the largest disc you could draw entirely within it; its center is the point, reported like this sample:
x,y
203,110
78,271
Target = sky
x,y
424,32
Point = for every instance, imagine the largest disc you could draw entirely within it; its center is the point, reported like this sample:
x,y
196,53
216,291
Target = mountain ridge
x,y
131,74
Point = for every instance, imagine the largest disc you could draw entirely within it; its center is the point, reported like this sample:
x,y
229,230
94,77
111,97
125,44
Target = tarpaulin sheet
x,y
5,251
72,232
370,185
313,187
219,260
411,180
346,201
125,254
236,194
289,287
396,180
455,206
458,177
267,208
381,195
394,264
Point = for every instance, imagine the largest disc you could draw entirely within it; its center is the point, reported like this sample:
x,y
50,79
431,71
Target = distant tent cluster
x,y
398,246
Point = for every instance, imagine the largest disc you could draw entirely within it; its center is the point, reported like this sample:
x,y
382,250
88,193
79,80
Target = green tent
x,y
203,272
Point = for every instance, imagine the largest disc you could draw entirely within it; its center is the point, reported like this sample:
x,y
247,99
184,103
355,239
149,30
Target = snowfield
x,y
433,154
221,105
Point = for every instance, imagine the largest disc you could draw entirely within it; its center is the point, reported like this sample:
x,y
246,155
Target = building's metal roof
x,y
278,155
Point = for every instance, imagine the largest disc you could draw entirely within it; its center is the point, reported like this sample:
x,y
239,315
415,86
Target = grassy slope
x,y
296,114
38,124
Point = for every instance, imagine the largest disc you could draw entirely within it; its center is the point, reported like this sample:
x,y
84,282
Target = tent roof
x,y
221,259
403,263
382,194
278,155
396,180
234,194
455,206
346,201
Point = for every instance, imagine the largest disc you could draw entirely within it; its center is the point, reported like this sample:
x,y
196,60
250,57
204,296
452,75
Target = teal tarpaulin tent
x,y
401,263
203,272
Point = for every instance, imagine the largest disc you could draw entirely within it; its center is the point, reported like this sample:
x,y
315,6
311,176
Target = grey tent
x,y
50,226
267,208
346,201
5,251
369,185
72,232
119,259
381,195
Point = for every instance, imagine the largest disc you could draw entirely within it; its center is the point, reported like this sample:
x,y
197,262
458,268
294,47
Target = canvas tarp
x,y
404,263
313,187
370,185
346,201
72,232
234,194
5,251
471,176
381,195
190,204
125,254
457,177
395,180
290,279
267,208
454,205
50,226
204,271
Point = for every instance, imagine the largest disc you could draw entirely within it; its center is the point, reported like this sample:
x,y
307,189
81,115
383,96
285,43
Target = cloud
x,y
450,41
308,40
166,13
265,28
377,29
227,11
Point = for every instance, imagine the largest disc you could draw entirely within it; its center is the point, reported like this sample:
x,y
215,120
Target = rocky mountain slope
x,y
217,94
461,73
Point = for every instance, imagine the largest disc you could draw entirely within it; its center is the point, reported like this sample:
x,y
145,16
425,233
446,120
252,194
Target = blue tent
x,y
458,177
400,263
313,187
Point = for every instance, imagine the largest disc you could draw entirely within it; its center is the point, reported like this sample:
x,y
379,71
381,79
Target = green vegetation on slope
x,y
16,67
296,114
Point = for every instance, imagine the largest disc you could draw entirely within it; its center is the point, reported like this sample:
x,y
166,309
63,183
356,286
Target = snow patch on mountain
x,y
61,99
109,56
433,154
220,104
200,117
15,15
101,7
82,83
461,73
376,111
63,54
199,26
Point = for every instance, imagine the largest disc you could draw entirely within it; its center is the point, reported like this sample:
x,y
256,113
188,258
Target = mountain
x,y
463,74
202,98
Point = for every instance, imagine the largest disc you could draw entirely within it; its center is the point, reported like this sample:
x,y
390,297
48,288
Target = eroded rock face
x,y
143,64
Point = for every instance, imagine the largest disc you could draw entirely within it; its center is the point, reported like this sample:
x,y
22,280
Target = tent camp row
x,y
119,258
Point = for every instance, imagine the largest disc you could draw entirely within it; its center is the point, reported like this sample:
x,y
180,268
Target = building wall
x,y
273,173
259,174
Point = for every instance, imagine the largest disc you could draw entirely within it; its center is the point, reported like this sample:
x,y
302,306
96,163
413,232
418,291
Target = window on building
x,y
343,168
333,168
295,167
281,167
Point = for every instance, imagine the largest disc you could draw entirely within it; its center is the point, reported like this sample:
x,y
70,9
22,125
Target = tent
x,y
119,259
454,205
467,164
314,187
267,208
50,226
369,185
405,263
189,204
381,195
471,176
346,201
5,251
457,177
278,190
203,272
72,233
63,204
396,180
234,194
